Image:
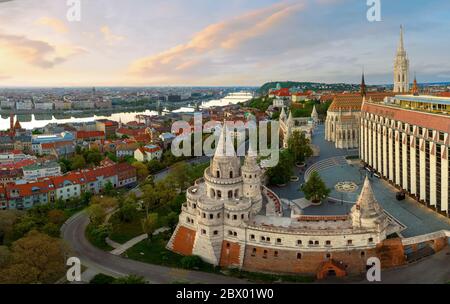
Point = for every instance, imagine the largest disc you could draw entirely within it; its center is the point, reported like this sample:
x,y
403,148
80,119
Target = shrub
x,y
191,262
102,279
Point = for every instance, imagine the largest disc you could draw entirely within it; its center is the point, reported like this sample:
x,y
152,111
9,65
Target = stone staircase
x,y
325,164
169,244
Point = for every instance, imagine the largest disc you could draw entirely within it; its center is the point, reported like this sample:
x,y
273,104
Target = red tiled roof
x,y
73,177
90,134
443,94
150,150
130,132
18,164
30,188
284,92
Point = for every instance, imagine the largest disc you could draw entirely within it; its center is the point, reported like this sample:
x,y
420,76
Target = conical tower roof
x,y
367,203
290,119
282,114
401,46
225,147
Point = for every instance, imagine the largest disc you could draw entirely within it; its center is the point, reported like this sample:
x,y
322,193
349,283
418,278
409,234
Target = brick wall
x,y
391,253
229,255
184,241
287,261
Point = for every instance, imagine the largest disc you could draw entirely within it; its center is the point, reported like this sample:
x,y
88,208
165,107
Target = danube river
x,y
31,121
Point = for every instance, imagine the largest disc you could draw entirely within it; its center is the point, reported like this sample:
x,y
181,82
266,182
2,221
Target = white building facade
x,y
407,141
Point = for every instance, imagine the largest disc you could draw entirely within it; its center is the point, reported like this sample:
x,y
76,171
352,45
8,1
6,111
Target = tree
x,y
171,220
141,170
77,162
35,258
97,214
8,218
180,174
282,172
108,188
93,157
299,146
56,216
5,255
154,166
315,189
150,224
128,212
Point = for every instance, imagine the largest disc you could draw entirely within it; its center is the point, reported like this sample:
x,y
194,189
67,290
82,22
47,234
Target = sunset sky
x,y
210,42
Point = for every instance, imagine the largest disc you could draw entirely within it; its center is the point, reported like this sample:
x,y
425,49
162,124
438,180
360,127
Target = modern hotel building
x,y
406,139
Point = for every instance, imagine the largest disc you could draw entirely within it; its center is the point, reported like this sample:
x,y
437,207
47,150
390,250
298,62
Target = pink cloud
x,y
35,52
222,37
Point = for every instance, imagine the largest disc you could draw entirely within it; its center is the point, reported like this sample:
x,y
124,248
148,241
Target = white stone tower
x,y
251,175
223,183
367,212
401,68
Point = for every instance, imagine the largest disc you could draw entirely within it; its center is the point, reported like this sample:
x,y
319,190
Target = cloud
x,y
54,23
215,42
109,36
36,52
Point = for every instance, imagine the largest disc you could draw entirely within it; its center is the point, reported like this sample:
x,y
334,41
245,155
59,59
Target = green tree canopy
x,y
315,189
282,172
35,258
299,147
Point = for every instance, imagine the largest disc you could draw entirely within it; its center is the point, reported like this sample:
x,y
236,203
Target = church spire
x,y
401,46
401,68
415,88
363,86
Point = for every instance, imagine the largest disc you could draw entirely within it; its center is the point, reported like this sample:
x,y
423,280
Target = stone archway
x,y
330,268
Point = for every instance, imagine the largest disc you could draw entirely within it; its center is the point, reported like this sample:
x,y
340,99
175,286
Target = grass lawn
x,y
155,252
123,232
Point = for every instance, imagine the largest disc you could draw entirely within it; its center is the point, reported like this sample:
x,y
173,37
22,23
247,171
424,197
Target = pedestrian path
x,y
124,247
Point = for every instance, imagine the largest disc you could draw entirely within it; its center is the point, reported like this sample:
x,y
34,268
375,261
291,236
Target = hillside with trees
x,y
313,86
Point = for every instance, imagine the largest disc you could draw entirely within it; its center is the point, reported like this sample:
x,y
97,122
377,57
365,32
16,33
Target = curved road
x,y
73,232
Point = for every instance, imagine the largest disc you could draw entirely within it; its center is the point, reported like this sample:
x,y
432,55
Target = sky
x,y
218,43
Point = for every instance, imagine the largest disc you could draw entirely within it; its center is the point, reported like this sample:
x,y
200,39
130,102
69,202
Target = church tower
x,y
401,68
363,86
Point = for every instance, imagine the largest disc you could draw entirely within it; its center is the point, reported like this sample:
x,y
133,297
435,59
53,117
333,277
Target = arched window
x,y
230,194
213,193
236,193
219,194
231,174
218,174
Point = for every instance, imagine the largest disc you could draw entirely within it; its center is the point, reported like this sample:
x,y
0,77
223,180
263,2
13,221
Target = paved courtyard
x,y
417,218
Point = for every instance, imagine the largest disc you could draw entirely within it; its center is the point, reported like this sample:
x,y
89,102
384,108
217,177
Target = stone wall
x,y
230,254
